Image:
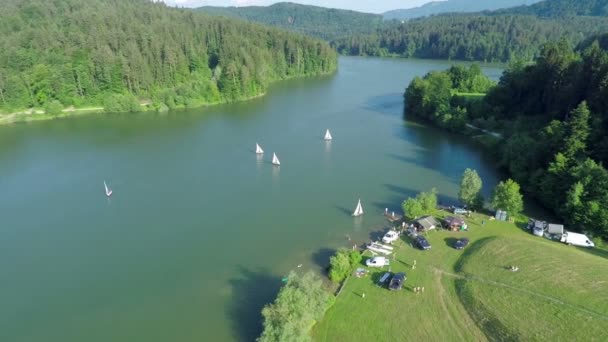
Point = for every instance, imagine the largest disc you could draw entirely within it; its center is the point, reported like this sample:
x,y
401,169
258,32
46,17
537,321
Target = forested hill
x,y
553,115
453,6
562,8
488,36
325,23
116,52
481,37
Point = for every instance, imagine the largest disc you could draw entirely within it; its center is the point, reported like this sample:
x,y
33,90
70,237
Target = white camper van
x,y
576,239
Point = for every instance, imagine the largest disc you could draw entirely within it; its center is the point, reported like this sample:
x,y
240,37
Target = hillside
x,y
115,52
471,36
325,23
452,6
562,8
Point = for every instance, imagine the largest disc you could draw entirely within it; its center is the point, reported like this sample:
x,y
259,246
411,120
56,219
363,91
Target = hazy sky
x,y
372,6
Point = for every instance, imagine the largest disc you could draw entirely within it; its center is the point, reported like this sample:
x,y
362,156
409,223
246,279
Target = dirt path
x,y
448,314
518,289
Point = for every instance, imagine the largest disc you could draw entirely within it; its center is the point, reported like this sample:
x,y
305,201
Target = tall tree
x,y
412,208
470,187
507,197
577,133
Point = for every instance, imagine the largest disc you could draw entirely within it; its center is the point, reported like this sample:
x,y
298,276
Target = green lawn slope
x,y
559,293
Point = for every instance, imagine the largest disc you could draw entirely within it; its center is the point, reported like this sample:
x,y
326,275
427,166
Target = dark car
x,y
461,243
422,243
397,281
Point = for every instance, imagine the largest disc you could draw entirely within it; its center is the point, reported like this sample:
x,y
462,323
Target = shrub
x,y
121,103
53,108
300,303
342,263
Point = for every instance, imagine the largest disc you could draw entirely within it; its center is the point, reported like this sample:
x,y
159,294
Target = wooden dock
x,y
392,217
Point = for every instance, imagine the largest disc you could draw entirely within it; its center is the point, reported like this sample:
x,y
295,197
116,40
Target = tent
x,y
427,223
454,223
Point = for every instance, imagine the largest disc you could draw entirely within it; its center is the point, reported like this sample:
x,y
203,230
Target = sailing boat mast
x,y
258,149
108,190
327,135
359,210
275,160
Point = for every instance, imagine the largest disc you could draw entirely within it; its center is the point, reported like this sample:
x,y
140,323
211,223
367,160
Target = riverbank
x,y
38,114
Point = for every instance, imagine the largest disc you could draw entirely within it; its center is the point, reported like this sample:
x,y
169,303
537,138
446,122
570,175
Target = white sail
x,y
275,160
358,210
327,135
258,149
108,190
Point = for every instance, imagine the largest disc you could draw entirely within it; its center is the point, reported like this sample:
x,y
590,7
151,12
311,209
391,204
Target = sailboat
x,y
359,210
275,160
327,135
258,149
108,190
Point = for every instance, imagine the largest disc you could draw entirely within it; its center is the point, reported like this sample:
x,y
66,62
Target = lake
x,y
200,231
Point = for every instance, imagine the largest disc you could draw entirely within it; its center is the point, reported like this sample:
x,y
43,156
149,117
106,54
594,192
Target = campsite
x,y
471,294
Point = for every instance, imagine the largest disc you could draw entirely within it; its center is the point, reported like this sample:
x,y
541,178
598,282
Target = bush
x,y
121,103
342,263
53,108
300,303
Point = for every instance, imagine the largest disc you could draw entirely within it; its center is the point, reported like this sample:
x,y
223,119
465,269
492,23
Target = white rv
x,y
577,239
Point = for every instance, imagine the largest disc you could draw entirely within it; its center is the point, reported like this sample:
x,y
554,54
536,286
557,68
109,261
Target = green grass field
x,y
560,292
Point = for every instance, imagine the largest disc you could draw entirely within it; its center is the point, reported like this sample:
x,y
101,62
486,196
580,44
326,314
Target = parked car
x,y
378,261
537,227
397,281
422,243
577,239
390,237
461,243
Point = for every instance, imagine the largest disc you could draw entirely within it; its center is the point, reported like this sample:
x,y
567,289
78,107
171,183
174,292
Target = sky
x,y
370,6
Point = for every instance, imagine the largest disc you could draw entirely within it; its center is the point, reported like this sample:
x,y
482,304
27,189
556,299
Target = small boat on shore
x,y
108,189
379,245
359,209
327,135
275,160
258,149
375,248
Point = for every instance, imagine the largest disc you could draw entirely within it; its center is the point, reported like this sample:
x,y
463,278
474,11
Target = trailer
x,y
577,239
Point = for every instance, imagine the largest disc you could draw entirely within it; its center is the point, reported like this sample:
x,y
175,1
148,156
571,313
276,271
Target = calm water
x,y
200,231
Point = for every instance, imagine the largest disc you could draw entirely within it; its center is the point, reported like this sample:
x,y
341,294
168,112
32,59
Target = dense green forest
x,y
325,23
562,8
553,115
115,52
489,36
478,37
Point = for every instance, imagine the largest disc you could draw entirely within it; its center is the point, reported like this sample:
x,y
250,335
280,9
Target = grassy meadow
x,y
560,292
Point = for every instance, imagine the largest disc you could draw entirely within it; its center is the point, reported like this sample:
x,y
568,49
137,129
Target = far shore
x,y
38,114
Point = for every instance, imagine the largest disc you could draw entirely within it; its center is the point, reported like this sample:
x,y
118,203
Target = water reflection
x,y
276,172
259,161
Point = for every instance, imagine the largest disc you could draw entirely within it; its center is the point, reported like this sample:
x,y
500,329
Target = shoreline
x,y
38,114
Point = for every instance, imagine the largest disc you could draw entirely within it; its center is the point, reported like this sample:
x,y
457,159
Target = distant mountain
x,y
562,8
325,23
453,6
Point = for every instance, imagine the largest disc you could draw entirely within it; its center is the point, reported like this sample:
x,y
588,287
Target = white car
x,y
377,262
390,237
